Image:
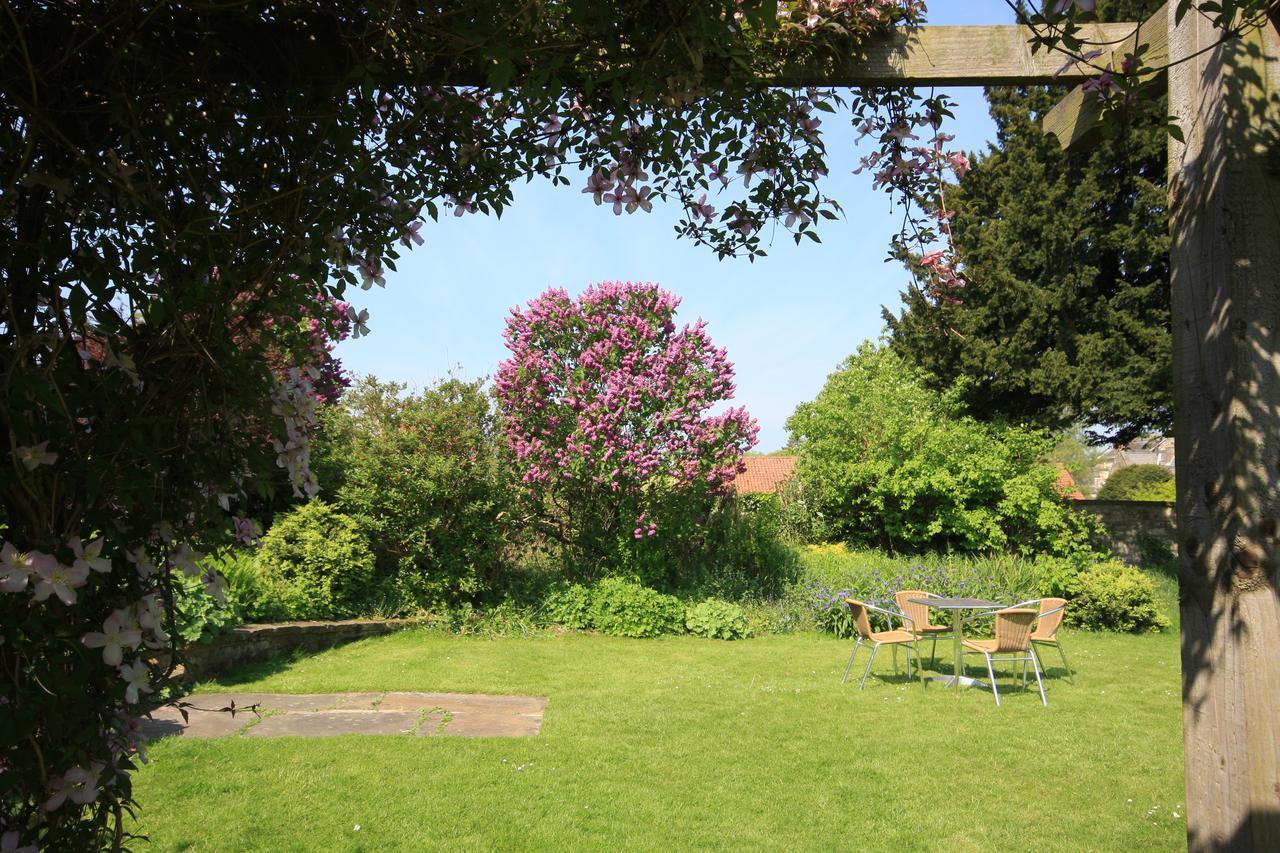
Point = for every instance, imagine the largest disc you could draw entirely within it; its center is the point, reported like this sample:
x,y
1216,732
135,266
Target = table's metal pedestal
x,y
958,606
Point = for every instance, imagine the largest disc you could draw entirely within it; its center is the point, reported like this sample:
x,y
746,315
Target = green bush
x,y
1138,483
625,609
1115,596
315,564
716,619
884,461
569,605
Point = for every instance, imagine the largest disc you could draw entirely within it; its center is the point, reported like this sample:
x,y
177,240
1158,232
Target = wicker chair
x,y
894,637
1013,640
919,614
1046,632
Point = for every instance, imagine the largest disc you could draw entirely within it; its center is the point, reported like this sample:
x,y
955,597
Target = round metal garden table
x,y
958,608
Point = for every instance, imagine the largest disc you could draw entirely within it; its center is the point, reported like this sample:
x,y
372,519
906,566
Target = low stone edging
x,y
250,643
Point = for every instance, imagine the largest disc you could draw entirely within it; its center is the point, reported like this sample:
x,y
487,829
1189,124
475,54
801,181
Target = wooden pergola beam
x,y
1076,118
960,56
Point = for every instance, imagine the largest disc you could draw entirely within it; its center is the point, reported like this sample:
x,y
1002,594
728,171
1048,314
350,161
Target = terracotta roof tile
x,y
1067,486
764,474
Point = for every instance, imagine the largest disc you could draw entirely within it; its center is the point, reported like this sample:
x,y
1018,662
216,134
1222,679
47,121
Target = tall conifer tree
x,y
1065,316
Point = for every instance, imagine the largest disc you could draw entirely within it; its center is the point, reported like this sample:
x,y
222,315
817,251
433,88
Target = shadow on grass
x,y
252,671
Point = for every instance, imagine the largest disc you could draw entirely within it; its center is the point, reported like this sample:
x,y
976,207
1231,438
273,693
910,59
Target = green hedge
x,y
1139,483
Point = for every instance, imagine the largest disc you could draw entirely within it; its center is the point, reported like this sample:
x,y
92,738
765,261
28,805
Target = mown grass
x,y
684,743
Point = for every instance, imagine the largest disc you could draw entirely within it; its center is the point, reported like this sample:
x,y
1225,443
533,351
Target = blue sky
x,y
787,320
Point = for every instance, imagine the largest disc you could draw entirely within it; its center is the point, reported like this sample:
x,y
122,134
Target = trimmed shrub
x,y
1138,483
624,609
718,620
315,564
1116,596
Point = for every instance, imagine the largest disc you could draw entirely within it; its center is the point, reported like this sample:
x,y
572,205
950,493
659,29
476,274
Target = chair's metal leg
x,y
933,653
895,658
1070,675
908,662
1024,673
1035,661
850,663
862,684
991,672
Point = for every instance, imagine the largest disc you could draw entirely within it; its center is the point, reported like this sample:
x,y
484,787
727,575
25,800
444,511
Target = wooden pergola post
x,y
1224,204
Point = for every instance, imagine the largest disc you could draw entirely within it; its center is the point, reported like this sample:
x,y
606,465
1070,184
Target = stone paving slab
x,y
330,723
329,714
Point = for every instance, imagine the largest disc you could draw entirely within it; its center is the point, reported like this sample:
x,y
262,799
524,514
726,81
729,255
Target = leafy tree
x,y
605,407
1138,483
419,474
887,461
1064,316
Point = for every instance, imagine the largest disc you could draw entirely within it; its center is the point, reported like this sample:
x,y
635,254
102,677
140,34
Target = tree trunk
x,y
1224,201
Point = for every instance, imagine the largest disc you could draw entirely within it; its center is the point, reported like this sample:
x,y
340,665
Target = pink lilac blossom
x,y
605,389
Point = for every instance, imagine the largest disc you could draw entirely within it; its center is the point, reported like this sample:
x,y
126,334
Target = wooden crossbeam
x,y
957,56
1076,118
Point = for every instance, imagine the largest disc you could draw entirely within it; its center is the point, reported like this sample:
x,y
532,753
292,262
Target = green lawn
x,y
683,743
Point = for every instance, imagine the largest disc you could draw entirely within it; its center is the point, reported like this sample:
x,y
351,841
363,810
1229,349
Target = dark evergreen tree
x,y
1065,316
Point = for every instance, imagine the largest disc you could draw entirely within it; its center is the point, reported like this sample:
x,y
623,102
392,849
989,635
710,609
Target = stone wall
x,y
250,643
1128,522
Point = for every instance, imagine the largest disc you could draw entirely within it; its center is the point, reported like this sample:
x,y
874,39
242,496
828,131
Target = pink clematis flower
x,y
640,200
118,633
89,557
701,208
411,234
141,561
53,578
359,321
35,456
246,530
137,680
182,557
597,185
15,568
959,164
77,784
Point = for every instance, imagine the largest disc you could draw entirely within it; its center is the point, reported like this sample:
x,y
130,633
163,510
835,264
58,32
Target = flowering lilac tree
x,y
606,408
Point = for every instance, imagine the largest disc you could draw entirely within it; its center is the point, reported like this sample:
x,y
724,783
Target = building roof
x,y
1067,486
764,474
